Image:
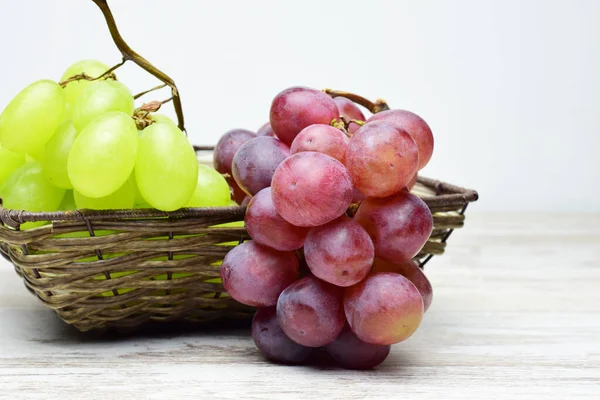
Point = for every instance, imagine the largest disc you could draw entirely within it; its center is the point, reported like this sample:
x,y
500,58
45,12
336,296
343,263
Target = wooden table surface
x,y
515,315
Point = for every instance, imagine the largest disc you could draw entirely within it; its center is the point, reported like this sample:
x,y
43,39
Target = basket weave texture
x,y
118,269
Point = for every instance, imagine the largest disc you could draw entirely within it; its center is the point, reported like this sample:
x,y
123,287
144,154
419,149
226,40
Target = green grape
x,y
29,159
9,161
99,98
68,202
166,169
91,68
234,224
119,200
212,190
32,117
57,155
103,155
161,118
229,244
28,189
68,114
138,199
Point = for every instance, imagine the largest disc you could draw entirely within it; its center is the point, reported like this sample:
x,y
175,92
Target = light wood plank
x,y
515,315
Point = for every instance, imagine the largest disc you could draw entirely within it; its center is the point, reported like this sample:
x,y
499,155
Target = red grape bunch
x,y
329,189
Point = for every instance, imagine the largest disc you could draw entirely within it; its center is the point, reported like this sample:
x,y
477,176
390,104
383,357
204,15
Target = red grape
x,y
352,353
256,161
298,107
409,269
265,130
227,146
237,194
310,312
267,227
399,225
272,342
311,189
357,197
381,159
246,200
304,271
223,155
255,275
349,111
385,308
415,126
412,183
321,138
339,252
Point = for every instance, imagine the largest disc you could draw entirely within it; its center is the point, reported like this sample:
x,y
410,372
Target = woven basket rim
x,y
445,195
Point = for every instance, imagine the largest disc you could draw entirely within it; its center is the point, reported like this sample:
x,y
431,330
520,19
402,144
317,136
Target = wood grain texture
x,y
515,315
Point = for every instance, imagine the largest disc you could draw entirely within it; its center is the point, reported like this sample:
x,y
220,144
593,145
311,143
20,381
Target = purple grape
x,y
321,138
340,252
256,161
223,155
352,353
357,196
266,226
272,342
237,194
310,312
246,200
227,146
349,111
298,107
255,275
408,269
411,184
381,159
415,126
311,189
265,130
399,225
385,308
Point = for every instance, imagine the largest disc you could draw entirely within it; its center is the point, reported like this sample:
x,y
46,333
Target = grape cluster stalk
x,y
128,54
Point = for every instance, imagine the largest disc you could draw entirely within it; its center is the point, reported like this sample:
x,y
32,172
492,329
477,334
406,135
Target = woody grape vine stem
x,y
130,55
376,107
107,74
145,92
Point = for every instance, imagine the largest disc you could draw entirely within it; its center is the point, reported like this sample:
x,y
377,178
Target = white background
x,y
511,88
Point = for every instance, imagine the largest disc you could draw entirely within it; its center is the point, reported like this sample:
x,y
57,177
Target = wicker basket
x,y
120,269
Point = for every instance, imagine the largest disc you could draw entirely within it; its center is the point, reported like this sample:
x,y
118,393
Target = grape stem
x,y
141,115
145,92
107,74
341,125
154,105
378,106
130,55
347,122
357,122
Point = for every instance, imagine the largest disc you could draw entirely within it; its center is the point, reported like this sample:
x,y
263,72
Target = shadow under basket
x,y
119,269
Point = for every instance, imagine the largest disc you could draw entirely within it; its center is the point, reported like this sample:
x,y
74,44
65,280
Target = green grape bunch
x,y
83,143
